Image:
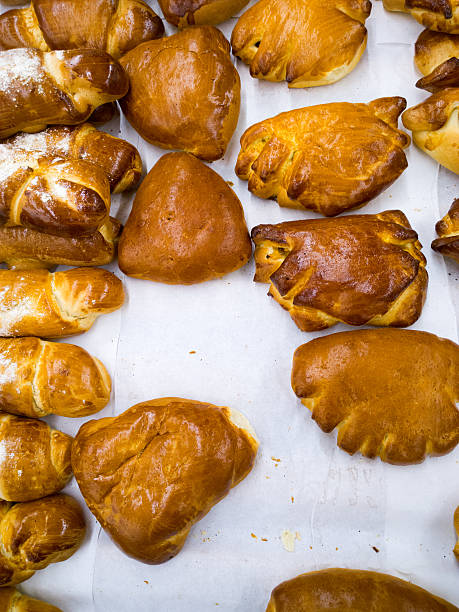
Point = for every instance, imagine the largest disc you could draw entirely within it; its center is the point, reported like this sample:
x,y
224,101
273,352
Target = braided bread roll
x,y
36,533
38,378
12,600
38,303
35,459
58,87
114,26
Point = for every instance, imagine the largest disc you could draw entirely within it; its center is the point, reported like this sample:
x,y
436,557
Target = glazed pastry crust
x,y
379,277
12,600
327,158
436,57
184,13
186,225
390,393
448,232
303,42
349,590
149,474
438,15
185,92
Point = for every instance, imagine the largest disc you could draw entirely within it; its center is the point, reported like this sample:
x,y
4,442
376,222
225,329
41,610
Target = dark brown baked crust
x,y
448,232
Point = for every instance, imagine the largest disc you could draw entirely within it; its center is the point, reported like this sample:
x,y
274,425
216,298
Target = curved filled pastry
x,y
184,13
349,590
11,600
327,158
390,393
303,42
438,15
436,56
152,472
359,270
448,232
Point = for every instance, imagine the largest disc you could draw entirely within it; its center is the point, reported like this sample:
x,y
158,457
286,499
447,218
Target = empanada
x,y
438,15
303,42
360,269
390,393
328,158
436,57
184,13
448,231
435,127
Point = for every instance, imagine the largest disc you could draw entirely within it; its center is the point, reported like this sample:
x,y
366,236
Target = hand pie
x,y
184,13
12,600
149,474
436,57
438,15
390,393
360,269
435,127
348,590
448,231
303,42
185,92
327,158
186,225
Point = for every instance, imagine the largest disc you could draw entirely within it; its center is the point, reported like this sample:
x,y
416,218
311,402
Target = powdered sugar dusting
x,y
21,68
17,310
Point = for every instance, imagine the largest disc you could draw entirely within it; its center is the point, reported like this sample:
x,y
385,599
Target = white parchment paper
x,y
306,505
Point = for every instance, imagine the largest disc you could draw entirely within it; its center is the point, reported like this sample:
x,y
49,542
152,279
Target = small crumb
x,y
293,499
264,539
310,548
254,536
192,353
267,477
276,460
375,549
146,582
288,539
203,532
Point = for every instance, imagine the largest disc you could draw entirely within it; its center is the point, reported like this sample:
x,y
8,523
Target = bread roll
x,y
434,124
303,42
114,26
185,92
448,232
12,600
379,277
35,459
22,248
186,225
38,303
390,393
349,590
38,378
436,57
438,15
152,472
36,533
327,158
57,87
183,13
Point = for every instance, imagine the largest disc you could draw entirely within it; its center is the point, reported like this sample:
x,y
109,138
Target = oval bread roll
x,y
183,13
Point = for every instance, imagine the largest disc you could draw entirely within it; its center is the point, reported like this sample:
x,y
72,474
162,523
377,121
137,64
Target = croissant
x,y
448,231
434,127
152,472
436,56
183,13
35,459
438,15
38,303
303,42
38,378
36,533
22,248
118,158
60,87
390,393
114,26
12,600
328,158
357,590
359,270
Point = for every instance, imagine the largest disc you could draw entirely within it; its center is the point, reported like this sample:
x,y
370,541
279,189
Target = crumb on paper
x,y
375,549
288,539
264,539
192,353
293,499
267,477
146,582
276,460
310,548
336,548
254,536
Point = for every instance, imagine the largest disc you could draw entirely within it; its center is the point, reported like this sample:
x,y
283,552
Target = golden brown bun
x,y
185,92
38,303
63,87
22,248
349,590
434,124
439,15
114,26
12,600
448,230
35,459
186,225
303,42
36,533
436,57
149,474
183,13
390,393
328,158
38,378
379,277
456,527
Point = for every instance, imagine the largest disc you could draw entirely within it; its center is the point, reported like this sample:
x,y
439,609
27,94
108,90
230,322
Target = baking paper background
x,y
337,510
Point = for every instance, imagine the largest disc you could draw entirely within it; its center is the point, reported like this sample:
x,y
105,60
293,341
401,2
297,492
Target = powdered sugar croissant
x,y
305,42
328,158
